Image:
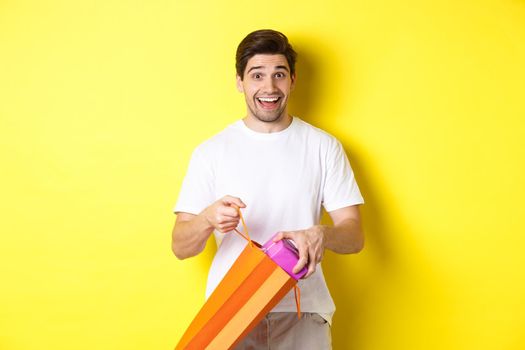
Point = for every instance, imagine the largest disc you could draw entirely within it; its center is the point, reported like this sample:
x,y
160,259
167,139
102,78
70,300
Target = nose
x,y
269,85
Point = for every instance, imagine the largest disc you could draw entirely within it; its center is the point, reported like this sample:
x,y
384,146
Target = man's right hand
x,y
222,215
191,231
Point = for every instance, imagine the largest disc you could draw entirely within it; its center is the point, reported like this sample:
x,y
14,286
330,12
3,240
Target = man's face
x,y
266,86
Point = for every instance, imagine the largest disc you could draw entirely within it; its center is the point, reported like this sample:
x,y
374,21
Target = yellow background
x,y
102,102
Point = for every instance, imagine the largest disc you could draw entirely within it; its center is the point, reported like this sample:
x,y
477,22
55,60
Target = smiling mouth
x,y
268,102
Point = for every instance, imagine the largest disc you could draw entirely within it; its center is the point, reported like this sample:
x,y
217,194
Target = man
x,y
281,170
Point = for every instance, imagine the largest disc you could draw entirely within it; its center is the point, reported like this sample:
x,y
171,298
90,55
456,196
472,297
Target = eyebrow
x,y
259,67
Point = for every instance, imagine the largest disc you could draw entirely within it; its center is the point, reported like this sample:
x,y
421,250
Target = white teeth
x,y
268,99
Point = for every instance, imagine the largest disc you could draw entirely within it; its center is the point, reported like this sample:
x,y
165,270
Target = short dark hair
x,y
264,41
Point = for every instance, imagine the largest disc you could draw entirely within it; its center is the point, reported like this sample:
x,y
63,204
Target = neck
x,y
268,127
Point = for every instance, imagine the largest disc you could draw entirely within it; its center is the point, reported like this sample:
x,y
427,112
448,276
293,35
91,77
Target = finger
x,y
230,200
278,237
311,268
220,222
228,223
286,234
230,212
303,259
223,214
226,228
300,264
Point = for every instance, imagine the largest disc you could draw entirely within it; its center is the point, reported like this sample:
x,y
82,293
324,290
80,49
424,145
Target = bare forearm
x,y
189,237
346,237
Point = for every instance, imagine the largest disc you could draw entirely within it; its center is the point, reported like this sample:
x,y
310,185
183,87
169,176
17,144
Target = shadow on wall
x,y
349,287
301,99
313,77
354,290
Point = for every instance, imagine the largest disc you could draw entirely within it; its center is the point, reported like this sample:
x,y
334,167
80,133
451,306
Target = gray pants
x,y
283,330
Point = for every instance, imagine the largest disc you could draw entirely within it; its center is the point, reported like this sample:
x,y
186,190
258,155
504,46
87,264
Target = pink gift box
x,y
285,254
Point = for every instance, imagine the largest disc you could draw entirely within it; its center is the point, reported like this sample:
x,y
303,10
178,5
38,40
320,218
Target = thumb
x,y
234,201
280,235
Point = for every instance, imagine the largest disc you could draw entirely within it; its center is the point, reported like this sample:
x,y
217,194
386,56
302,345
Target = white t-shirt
x,y
283,178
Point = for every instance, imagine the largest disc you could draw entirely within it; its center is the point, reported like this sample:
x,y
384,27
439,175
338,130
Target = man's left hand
x,y
311,245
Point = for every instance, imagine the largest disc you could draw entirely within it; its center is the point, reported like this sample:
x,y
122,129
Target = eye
x,y
280,75
257,76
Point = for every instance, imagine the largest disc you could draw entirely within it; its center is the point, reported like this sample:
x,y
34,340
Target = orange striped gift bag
x,y
250,289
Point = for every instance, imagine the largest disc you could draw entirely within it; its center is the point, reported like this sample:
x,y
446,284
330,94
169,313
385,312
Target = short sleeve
x,y
340,187
197,191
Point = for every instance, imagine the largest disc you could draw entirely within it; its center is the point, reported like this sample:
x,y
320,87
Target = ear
x,y
240,88
293,77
